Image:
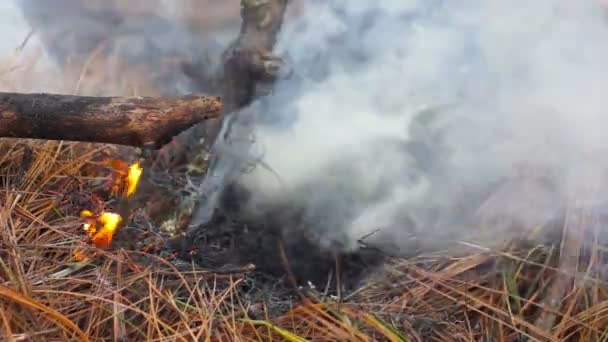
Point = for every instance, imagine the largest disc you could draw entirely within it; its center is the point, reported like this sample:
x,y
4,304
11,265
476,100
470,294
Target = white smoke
x,y
405,115
141,41
13,26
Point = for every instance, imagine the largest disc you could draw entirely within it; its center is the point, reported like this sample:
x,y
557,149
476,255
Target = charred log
x,y
133,121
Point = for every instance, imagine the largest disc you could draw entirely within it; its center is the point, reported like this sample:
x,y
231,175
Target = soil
x,y
282,262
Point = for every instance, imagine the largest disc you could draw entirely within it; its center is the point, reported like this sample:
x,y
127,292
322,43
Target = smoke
x,y
144,41
413,123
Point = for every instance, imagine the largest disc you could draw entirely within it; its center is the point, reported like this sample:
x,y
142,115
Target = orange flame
x,y
101,229
90,224
135,172
125,178
103,237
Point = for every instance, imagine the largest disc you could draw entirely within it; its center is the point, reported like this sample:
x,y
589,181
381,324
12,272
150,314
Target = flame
x,y
86,213
101,228
125,178
135,172
90,224
103,236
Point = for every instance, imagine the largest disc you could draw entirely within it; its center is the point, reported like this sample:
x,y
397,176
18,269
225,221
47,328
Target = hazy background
x,y
116,47
13,26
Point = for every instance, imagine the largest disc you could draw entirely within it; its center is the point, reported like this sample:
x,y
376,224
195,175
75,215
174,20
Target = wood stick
x,y
134,121
248,66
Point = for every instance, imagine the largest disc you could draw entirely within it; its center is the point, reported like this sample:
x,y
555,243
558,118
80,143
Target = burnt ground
x,y
285,263
286,255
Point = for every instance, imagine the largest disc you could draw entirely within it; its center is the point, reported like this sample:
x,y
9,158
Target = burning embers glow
x,y
100,228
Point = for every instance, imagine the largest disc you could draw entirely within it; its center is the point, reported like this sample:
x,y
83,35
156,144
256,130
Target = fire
x,y
125,178
119,171
101,228
89,226
135,172
103,236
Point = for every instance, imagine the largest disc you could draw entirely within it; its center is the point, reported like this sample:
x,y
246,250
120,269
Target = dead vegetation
x,y
139,291
545,293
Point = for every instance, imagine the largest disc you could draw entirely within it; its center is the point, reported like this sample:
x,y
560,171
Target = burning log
x,y
133,121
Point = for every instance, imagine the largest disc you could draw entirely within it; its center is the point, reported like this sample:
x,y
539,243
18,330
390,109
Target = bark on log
x,y
248,66
133,121
249,60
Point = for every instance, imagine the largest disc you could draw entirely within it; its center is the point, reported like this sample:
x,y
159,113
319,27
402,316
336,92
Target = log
x,y
133,121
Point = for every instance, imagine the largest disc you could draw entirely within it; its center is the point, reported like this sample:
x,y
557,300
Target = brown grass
x,y
128,295
521,293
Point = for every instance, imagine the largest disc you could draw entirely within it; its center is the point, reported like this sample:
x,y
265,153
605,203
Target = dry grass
x,y
128,295
524,292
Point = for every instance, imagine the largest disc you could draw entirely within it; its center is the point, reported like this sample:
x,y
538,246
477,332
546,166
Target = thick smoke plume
x,y
422,122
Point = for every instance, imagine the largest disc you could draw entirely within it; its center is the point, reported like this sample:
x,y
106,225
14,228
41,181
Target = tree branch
x,y
248,65
249,60
134,121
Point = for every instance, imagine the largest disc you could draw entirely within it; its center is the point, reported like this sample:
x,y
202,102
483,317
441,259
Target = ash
x,y
286,261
